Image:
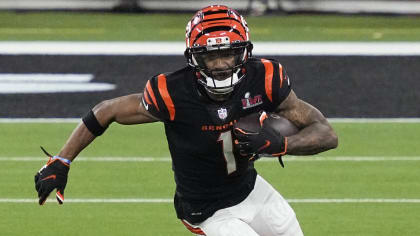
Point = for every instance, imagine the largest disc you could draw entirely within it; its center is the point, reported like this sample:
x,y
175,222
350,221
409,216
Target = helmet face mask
x,y
219,65
218,46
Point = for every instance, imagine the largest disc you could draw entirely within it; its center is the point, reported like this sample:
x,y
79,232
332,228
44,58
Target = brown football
x,y
251,123
281,125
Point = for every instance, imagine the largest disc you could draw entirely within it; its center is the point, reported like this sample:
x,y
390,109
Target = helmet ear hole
x,y
249,48
187,53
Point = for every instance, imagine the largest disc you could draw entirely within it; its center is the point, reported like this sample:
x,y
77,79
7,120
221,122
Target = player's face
x,y
220,63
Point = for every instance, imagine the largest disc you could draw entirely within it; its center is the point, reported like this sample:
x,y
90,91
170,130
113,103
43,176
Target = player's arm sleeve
x,y
157,99
277,82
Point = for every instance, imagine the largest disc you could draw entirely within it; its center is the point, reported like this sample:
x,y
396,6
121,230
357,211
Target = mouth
x,y
221,74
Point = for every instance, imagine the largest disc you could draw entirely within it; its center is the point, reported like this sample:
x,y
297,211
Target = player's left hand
x,y
265,141
52,176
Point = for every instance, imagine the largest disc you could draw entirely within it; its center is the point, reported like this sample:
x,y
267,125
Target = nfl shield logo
x,y
222,113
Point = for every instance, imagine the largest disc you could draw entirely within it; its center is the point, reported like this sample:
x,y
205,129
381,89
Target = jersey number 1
x,y
226,139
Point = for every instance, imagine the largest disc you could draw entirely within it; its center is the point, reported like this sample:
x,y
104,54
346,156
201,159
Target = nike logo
x,y
145,104
49,177
266,145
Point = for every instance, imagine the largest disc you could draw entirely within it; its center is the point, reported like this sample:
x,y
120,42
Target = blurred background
x,y
365,52
255,7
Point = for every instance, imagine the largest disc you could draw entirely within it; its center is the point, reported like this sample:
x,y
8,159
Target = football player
x,y
218,191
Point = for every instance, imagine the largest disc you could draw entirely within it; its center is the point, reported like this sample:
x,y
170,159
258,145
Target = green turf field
x,y
326,178
158,27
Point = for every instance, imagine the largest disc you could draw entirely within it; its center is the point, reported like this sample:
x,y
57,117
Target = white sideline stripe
x,y
345,158
349,6
177,48
332,120
49,83
354,200
169,200
40,120
374,120
45,78
91,200
60,87
167,159
94,159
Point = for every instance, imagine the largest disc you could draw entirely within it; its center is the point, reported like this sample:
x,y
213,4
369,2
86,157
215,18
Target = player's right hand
x,y
52,175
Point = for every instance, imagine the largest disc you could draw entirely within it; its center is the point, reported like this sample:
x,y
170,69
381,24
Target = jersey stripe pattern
x,y
275,77
208,172
149,93
163,91
268,66
161,104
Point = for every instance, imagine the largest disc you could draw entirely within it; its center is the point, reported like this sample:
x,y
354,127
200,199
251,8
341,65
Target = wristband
x,y
67,161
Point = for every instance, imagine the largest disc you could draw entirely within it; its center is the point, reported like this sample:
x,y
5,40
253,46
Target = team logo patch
x,y
222,113
249,102
219,40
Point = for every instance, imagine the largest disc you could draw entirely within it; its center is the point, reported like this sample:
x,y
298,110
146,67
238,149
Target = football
x,y
281,125
252,123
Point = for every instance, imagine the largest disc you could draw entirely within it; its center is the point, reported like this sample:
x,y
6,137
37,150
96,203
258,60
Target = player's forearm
x,y
78,140
123,110
313,139
82,136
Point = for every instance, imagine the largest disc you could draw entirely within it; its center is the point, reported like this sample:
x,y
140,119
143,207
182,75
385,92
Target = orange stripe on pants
x,y
194,230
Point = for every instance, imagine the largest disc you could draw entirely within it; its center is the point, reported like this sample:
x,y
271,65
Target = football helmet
x,y
218,32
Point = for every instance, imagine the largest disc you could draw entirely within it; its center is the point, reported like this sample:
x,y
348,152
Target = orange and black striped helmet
x,y
216,22
214,28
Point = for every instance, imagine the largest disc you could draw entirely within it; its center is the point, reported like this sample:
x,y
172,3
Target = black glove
x,y
266,141
52,176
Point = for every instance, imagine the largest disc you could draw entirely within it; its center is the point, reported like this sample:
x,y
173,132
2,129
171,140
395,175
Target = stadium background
x,y
368,186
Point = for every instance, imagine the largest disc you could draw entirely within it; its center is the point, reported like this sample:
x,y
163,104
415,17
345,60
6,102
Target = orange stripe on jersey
x,y
163,90
146,97
268,78
194,230
281,75
152,95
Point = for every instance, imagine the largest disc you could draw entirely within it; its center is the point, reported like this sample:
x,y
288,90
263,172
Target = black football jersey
x,y
208,174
